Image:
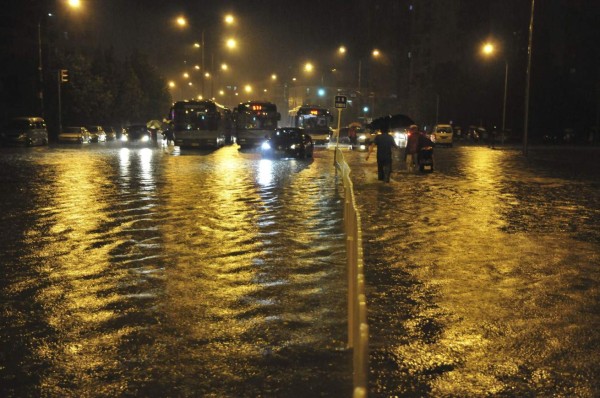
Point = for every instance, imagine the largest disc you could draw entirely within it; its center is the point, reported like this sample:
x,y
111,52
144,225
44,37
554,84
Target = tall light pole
x,y
528,77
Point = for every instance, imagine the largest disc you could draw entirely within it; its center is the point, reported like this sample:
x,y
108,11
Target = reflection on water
x,y
167,273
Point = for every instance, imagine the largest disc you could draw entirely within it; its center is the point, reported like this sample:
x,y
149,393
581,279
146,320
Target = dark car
x,y
111,134
136,133
27,131
97,132
288,142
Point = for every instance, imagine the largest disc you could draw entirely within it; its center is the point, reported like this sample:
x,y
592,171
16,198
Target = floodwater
x,y
159,272
483,278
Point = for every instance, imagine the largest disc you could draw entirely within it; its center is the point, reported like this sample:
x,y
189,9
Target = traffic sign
x,y
64,75
340,101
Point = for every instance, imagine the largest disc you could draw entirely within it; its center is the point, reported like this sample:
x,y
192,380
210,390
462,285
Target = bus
x,y
200,123
253,121
316,121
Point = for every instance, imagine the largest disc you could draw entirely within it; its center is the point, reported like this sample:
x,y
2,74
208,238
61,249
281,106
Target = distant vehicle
x,y
136,133
75,134
201,123
27,130
340,140
111,133
442,134
288,142
396,124
97,132
315,120
253,121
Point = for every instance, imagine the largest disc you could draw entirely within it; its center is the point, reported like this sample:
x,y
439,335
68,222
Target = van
x,y
442,134
25,130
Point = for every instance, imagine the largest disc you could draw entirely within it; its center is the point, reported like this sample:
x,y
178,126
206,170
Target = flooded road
x,y
483,277
155,272
158,272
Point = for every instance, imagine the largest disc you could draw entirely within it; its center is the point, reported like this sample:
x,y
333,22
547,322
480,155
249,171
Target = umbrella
x,y
391,122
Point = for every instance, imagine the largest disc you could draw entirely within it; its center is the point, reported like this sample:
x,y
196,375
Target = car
x,y
26,130
400,136
75,134
111,134
288,142
136,133
442,134
97,132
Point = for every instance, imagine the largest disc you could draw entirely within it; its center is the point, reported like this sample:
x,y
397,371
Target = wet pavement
x,y
159,272
483,277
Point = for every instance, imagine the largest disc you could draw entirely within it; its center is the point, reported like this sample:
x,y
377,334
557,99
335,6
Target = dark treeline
x,y
103,89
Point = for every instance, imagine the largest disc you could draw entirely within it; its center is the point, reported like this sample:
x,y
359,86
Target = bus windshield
x,y
257,116
312,118
251,121
195,116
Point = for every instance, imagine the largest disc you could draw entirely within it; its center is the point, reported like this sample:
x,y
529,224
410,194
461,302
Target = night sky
x,y
273,36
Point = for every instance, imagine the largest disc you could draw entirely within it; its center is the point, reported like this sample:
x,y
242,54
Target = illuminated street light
x,y
488,49
342,50
229,19
248,88
181,21
231,43
308,67
197,67
172,84
196,45
186,75
224,67
74,3
376,53
273,76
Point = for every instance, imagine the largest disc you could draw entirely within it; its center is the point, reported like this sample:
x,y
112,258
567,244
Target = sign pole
x,y
340,104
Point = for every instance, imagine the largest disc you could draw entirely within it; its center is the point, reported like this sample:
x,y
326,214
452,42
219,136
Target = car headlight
x,y
145,138
265,146
293,146
362,138
123,138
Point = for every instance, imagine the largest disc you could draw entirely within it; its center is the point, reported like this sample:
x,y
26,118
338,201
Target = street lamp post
x,y
528,76
504,101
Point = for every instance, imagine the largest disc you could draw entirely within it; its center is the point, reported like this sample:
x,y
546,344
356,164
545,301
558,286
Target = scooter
x,y
425,159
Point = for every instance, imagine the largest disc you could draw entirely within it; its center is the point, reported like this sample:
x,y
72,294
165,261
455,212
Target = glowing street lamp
x,y
229,19
74,3
181,21
308,67
231,43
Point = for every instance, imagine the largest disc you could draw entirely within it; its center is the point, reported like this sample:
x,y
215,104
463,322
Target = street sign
x,y
64,75
340,101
